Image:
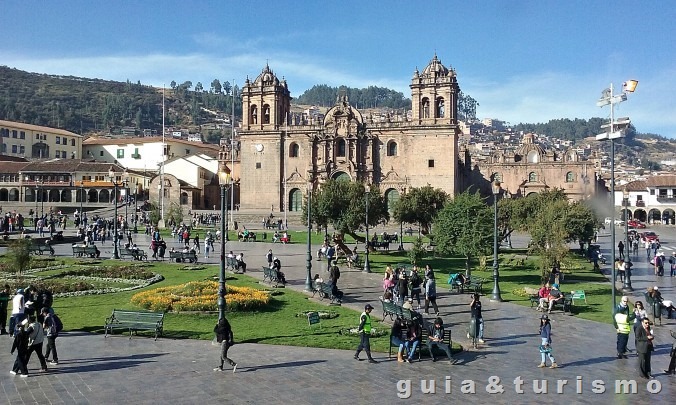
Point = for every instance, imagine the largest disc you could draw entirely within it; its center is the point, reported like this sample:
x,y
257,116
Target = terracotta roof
x,y
12,167
661,181
139,140
636,185
62,166
38,128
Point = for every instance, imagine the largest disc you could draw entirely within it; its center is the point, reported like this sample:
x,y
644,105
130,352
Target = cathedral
x,y
283,155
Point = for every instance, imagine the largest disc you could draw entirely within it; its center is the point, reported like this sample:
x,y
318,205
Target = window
x,y
639,197
72,142
266,114
392,149
58,140
64,154
22,149
652,191
532,177
120,153
14,133
295,200
425,110
441,110
254,114
258,165
22,135
430,163
340,148
294,149
663,192
101,153
187,151
14,149
570,177
4,148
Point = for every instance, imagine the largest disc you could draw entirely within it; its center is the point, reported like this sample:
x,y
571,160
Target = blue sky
x,y
523,61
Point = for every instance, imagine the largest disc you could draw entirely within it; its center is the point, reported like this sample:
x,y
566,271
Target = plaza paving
x,y
96,370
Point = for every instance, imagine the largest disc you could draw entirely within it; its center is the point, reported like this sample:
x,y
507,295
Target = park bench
x,y
79,251
134,321
183,256
325,290
357,264
474,284
270,275
391,309
136,254
423,341
231,263
379,245
40,249
565,305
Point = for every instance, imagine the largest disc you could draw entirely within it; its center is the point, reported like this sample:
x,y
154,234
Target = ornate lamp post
x,y
626,286
81,198
496,275
401,229
615,131
136,206
223,181
367,265
126,204
42,198
116,185
308,264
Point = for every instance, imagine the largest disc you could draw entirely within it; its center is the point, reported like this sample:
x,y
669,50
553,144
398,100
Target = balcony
x,y
663,199
640,203
136,156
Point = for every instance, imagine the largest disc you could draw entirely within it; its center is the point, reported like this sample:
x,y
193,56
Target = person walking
x,y
546,342
364,331
416,285
672,264
20,345
620,248
671,370
475,307
269,256
644,348
49,325
431,294
622,321
18,306
36,337
225,337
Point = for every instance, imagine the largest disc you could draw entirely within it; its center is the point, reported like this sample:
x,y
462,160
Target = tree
x,y
420,206
198,87
216,86
343,205
19,255
227,87
173,84
464,227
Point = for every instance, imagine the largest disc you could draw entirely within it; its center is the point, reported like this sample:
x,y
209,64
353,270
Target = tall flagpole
x,y
286,155
161,221
232,157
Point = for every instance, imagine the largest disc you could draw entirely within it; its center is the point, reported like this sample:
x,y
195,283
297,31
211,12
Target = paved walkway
x,y
97,370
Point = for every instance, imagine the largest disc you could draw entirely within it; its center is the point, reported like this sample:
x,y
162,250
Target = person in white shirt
x,y
18,305
240,262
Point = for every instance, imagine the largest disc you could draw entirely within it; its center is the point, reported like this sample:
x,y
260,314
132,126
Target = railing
x,y
640,203
666,200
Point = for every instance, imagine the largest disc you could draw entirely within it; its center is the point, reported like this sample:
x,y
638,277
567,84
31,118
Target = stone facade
x,y
282,153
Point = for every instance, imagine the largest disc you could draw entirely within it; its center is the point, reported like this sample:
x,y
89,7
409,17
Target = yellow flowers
x,y
200,296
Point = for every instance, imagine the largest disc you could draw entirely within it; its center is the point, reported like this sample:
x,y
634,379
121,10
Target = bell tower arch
x,y
434,95
266,102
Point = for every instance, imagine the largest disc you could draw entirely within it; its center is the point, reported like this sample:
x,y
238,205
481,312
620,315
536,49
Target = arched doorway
x,y
640,215
391,198
4,194
54,196
14,194
184,198
66,196
92,196
668,216
295,200
654,216
104,196
29,195
626,213
341,176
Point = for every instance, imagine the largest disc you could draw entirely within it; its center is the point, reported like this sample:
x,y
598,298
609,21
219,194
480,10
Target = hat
x,y
544,317
19,291
655,288
368,306
410,300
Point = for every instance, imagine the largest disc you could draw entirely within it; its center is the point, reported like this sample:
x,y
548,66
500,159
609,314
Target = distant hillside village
x,y
278,151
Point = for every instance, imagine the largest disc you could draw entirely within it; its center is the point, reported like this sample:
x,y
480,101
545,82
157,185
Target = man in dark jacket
x,y
225,337
644,348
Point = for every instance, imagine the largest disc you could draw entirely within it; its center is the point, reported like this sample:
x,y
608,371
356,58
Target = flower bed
x,y
200,296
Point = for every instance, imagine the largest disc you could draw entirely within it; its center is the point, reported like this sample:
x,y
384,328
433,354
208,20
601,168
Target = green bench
x,y
136,254
474,284
134,321
183,256
325,290
422,344
270,275
392,310
40,249
90,251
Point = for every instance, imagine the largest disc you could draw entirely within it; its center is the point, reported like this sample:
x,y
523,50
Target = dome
x,y
267,77
530,150
435,68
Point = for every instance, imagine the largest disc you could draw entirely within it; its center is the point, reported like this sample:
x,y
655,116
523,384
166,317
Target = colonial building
x,y
531,169
38,142
652,200
282,153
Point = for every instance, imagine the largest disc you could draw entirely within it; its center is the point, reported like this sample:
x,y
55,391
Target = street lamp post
x,y
615,131
223,181
401,231
42,198
116,185
136,206
496,275
308,264
626,286
367,265
126,205
81,198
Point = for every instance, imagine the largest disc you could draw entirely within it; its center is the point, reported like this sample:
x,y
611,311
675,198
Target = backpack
x,y
56,323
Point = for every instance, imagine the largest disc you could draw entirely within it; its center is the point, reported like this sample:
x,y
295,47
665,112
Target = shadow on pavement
x,y
281,365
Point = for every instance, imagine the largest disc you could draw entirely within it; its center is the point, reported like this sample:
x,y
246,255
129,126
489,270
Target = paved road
x,y
97,370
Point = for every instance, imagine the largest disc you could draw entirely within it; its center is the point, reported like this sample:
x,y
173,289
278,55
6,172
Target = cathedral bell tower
x,y
265,103
434,95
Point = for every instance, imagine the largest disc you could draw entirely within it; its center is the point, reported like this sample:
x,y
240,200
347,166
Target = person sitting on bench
x,y
353,259
240,262
555,296
277,267
667,304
